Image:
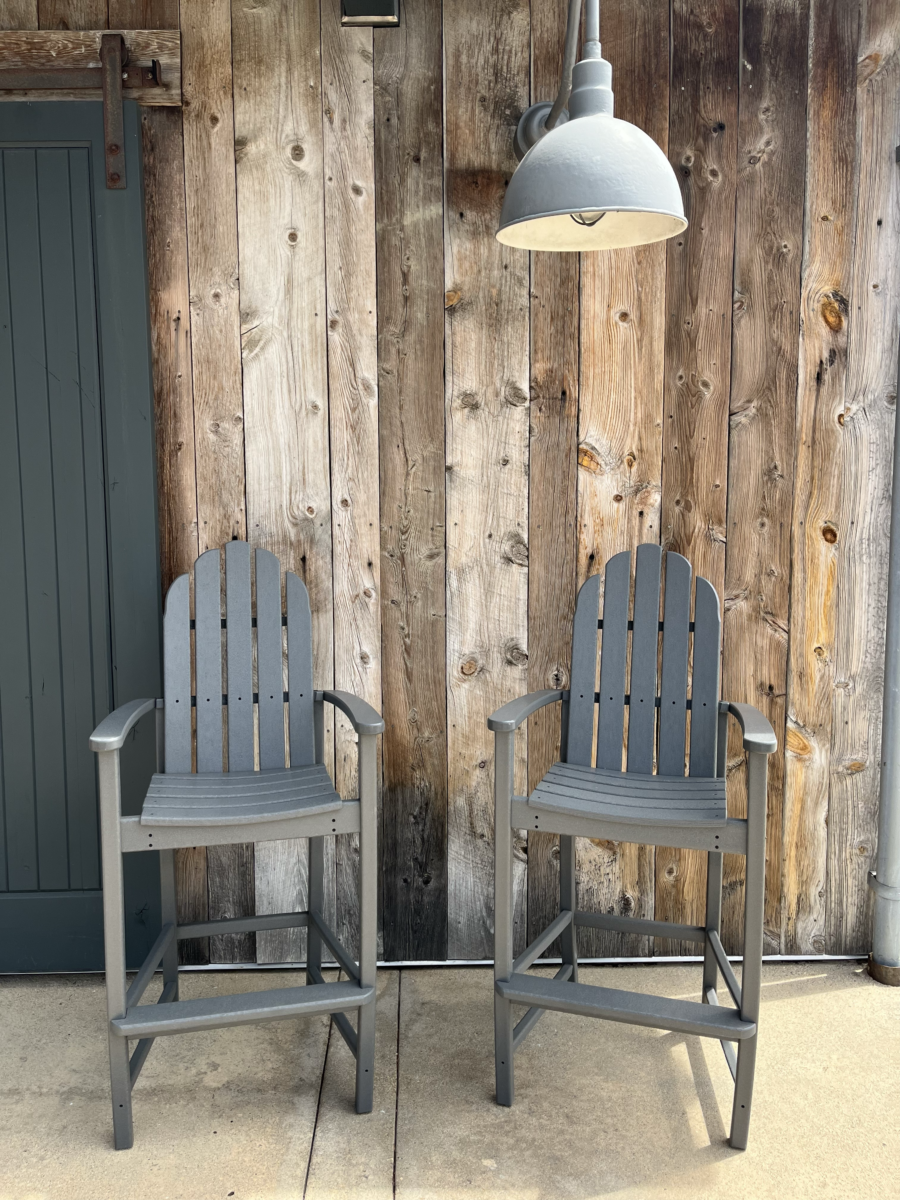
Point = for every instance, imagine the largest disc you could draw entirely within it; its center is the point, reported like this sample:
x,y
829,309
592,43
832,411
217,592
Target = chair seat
x,y
239,797
580,791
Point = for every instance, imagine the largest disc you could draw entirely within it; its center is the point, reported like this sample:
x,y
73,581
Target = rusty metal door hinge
x,y
113,59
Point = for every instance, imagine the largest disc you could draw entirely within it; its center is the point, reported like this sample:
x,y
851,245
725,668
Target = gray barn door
x,y
79,587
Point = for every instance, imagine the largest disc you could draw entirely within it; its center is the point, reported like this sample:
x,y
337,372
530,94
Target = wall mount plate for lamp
x,y
370,12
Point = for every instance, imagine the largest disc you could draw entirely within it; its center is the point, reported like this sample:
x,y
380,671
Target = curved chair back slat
x,y
244,623
238,656
583,675
705,679
644,657
300,672
208,660
669,658
675,653
270,660
611,698
177,675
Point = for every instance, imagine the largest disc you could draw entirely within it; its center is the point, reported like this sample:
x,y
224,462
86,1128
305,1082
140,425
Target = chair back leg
x,y
169,898
504,747
567,901
316,903
713,918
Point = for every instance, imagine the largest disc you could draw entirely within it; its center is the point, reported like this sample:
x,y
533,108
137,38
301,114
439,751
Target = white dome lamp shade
x,y
587,181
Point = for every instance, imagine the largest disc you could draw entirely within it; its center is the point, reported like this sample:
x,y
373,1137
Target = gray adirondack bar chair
x,y
194,801
588,794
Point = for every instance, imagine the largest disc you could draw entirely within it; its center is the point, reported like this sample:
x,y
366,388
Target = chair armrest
x,y
510,716
759,736
363,717
112,731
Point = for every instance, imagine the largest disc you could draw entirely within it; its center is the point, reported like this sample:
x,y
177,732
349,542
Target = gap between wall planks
x,y
771,176
620,435
834,432
486,347
410,260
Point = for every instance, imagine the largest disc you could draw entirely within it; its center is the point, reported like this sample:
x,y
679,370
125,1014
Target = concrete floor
x,y
265,1112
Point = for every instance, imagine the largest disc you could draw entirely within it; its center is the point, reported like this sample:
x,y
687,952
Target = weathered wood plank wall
x,y
444,437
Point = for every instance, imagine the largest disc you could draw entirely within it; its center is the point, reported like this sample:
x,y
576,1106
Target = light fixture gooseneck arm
x,y
570,53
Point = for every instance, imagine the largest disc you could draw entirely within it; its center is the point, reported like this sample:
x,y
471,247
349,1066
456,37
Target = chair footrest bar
x,y
727,1048
632,1008
345,1029
298,920
330,938
186,1016
149,965
636,925
531,1018
724,966
540,944
142,1049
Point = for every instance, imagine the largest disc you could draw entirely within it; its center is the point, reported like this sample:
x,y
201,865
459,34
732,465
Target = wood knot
x,y
514,655
514,396
829,533
451,299
867,67
834,308
796,744
514,549
588,459
469,667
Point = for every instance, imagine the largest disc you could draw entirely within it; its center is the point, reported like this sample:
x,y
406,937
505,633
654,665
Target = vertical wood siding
x,y
444,436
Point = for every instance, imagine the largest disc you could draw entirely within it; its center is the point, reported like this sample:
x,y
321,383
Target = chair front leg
x,y
504,751
316,893
114,943
751,974
368,919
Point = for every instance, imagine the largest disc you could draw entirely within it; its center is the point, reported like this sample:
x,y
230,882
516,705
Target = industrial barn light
x,y
586,180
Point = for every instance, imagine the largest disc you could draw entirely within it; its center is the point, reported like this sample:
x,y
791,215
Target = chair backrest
x,y
661,648
249,636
